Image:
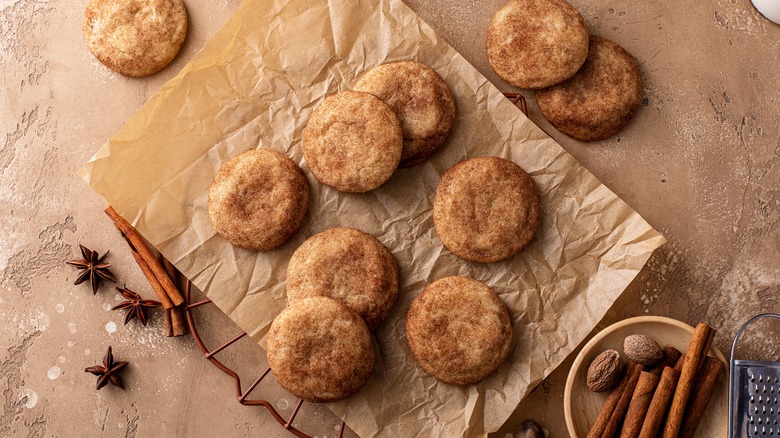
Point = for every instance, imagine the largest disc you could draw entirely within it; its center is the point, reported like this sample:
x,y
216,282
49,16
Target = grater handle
x,y
731,365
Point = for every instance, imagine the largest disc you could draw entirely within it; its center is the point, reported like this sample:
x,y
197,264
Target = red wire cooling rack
x,y
243,395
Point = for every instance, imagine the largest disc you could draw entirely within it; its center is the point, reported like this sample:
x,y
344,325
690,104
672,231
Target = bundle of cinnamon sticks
x,y
668,400
163,277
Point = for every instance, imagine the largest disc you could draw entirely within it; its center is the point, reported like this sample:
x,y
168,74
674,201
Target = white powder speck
x,y
40,321
111,327
61,359
282,404
106,306
71,344
86,352
54,372
60,308
338,426
72,327
30,396
509,435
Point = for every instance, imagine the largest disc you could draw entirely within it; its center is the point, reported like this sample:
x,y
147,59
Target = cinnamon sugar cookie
x,y
352,142
459,330
600,99
319,350
537,43
486,209
258,199
135,37
422,101
349,266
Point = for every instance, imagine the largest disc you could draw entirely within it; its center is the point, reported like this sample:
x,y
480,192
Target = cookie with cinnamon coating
x,y
319,350
600,99
135,38
537,43
258,199
422,101
349,266
459,330
353,142
486,209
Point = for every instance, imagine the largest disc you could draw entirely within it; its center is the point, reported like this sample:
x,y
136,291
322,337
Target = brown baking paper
x,y
255,85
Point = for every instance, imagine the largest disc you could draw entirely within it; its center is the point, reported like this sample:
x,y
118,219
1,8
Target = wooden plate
x,y
581,406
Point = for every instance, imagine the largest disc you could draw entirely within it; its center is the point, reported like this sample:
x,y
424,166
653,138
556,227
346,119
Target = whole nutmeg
x,y
605,371
643,350
530,429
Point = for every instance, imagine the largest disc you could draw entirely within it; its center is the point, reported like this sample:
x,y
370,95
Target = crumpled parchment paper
x,y
255,85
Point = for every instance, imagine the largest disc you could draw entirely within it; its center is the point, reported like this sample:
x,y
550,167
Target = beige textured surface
x,y
699,162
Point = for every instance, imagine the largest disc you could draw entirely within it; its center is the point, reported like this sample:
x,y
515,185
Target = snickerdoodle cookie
x,y
486,209
600,99
349,266
459,330
422,101
537,43
320,350
135,37
353,141
258,199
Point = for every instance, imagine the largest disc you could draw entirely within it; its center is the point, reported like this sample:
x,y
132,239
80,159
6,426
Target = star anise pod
x,y
108,372
93,267
136,307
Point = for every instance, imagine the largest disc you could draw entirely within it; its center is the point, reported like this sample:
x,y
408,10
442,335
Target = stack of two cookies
x,y
341,284
588,87
397,115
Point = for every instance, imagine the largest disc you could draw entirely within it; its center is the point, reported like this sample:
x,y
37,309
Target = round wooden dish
x,y
581,406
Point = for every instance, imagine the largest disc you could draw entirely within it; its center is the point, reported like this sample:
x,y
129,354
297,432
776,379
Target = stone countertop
x,y
699,162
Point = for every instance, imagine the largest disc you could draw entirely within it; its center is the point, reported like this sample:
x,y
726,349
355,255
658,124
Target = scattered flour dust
x,y
72,327
54,372
38,322
61,359
29,397
86,352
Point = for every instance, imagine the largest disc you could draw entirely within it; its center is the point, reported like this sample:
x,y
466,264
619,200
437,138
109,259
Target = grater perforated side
x,y
754,393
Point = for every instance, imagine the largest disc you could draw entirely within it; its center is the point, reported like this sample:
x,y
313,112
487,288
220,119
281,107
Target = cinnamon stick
x,y
168,323
137,242
175,322
660,402
671,356
693,359
640,401
622,406
705,387
597,430
156,286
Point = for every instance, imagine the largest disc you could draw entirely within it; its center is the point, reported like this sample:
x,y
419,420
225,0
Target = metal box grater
x,y
754,393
